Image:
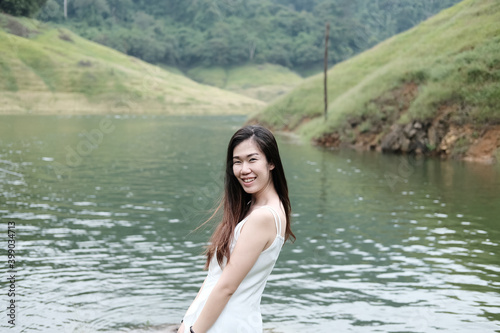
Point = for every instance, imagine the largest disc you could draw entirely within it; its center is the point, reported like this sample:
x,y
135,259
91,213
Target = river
x,y
104,208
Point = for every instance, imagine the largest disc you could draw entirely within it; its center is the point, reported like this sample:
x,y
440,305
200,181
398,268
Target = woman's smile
x,y
248,181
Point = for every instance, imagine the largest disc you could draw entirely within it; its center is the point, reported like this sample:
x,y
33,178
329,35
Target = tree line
x,y
21,7
187,33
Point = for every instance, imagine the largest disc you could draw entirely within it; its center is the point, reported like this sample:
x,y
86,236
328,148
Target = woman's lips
x,y
248,181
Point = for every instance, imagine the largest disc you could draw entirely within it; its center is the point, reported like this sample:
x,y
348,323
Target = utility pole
x,y
65,9
327,35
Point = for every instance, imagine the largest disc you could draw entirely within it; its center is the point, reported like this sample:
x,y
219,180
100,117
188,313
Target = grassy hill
x,y
44,69
264,82
434,89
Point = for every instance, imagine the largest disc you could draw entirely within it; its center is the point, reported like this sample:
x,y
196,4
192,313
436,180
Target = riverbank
x,y
441,136
68,103
456,142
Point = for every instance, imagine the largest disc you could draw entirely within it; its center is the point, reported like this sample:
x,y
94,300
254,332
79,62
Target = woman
x,y
246,243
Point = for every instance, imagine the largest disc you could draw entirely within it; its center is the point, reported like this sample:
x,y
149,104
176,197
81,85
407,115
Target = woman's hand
x,y
181,329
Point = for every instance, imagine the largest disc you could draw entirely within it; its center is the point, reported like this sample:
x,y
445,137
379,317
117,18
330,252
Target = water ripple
x,y
110,247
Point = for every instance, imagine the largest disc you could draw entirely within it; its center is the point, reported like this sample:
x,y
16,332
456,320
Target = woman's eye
x,y
236,162
253,159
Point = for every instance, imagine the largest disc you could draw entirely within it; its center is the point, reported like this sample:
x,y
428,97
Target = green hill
x,y
44,69
264,82
434,89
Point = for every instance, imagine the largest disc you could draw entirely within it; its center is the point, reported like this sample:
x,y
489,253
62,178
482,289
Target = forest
x,y
189,33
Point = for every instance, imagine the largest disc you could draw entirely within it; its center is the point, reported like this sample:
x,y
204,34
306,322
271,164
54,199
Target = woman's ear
x,y
271,166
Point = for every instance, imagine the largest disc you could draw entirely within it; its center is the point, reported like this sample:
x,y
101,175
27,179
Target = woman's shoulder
x,y
259,222
263,216
266,212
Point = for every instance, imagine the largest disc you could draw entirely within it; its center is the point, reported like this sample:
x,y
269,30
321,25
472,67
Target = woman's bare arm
x,y
258,231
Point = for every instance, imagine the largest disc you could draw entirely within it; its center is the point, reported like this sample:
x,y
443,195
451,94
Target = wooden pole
x,y
327,35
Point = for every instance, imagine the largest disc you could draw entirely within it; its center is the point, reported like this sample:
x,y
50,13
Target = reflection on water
x,y
384,243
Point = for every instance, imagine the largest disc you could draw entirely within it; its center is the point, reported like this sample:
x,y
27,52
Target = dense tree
x,y
51,11
92,11
120,9
21,7
189,33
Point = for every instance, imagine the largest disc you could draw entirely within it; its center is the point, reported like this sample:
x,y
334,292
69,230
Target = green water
x,y
104,207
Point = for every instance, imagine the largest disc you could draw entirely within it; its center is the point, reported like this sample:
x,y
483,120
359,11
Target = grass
x,y
46,69
261,81
214,76
453,58
9,82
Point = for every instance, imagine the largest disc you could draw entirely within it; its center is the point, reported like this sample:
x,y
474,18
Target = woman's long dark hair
x,y
235,201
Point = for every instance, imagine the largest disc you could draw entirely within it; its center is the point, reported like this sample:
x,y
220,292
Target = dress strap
x,y
276,221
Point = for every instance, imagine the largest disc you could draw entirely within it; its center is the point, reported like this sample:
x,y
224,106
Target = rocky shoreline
x,y
446,135
432,138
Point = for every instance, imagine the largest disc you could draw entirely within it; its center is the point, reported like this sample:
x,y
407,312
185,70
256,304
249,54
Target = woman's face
x,y
250,167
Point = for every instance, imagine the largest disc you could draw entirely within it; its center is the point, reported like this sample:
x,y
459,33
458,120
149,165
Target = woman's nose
x,y
245,169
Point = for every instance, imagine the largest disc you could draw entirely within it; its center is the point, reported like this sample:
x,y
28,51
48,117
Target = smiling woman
x,y
251,168
248,240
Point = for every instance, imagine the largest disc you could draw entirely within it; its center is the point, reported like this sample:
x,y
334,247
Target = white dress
x,y
242,312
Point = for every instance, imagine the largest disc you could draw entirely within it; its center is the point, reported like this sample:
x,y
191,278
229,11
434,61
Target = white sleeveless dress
x,y
242,312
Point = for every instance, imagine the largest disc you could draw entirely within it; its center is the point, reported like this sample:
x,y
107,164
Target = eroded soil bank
x,y
447,134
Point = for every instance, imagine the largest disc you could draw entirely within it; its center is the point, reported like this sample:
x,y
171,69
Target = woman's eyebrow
x,y
252,154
